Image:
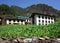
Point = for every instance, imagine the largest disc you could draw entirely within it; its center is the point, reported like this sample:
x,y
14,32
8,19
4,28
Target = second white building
x,y
40,19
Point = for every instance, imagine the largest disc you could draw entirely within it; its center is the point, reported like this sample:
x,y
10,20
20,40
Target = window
x,y
45,17
48,17
42,21
18,20
21,20
42,17
39,20
39,16
9,23
46,21
51,17
49,21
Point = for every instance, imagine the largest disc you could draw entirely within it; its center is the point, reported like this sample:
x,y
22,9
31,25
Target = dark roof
x,y
42,14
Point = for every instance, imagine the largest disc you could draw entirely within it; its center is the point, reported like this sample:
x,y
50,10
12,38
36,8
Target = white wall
x,y
12,22
7,21
31,20
0,19
36,20
27,20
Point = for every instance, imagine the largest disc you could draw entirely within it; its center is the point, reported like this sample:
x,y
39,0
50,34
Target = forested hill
x,y
38,8
43,8
19,10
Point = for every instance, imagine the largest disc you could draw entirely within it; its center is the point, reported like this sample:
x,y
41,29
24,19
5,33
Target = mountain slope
x,y
18,10
38,8
43,8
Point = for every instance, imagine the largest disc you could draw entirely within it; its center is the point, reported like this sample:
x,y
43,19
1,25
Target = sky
x,y
25,3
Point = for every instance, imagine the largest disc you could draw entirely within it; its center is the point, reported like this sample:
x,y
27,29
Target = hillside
x,y
38,8
43,8
19,10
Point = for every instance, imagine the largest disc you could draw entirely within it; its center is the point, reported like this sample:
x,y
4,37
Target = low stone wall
x,y
30,40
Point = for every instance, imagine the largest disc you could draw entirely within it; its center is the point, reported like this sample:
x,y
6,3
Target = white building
x,y
9,19
15,21
26,18
40,19
0,20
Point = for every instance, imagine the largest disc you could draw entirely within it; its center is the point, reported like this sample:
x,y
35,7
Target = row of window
x,y
45,21
45,17
15,21
43,24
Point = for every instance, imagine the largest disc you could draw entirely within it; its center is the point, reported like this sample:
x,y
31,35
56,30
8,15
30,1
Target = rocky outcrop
x,y
30,40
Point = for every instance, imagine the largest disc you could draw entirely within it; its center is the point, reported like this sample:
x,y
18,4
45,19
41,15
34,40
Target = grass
x,y
10,31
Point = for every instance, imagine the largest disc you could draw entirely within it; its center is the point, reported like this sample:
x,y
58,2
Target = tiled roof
x,y
23,17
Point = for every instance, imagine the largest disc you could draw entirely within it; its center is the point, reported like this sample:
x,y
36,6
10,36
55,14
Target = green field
x,y
10,31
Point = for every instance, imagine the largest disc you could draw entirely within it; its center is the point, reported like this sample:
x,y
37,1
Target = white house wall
x,y
36,19
43,21
0,19
7,21
20,22
13,22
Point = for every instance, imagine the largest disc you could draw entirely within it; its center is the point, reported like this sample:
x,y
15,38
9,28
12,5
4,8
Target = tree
x,y
5,11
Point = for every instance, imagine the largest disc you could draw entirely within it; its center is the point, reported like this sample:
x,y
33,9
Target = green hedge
x,y
9,31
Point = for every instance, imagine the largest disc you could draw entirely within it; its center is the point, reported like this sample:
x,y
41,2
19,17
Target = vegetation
x,y
9,31
38,8
5,9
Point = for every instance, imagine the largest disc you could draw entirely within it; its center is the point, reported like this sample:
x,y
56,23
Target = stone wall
x,y
29,40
